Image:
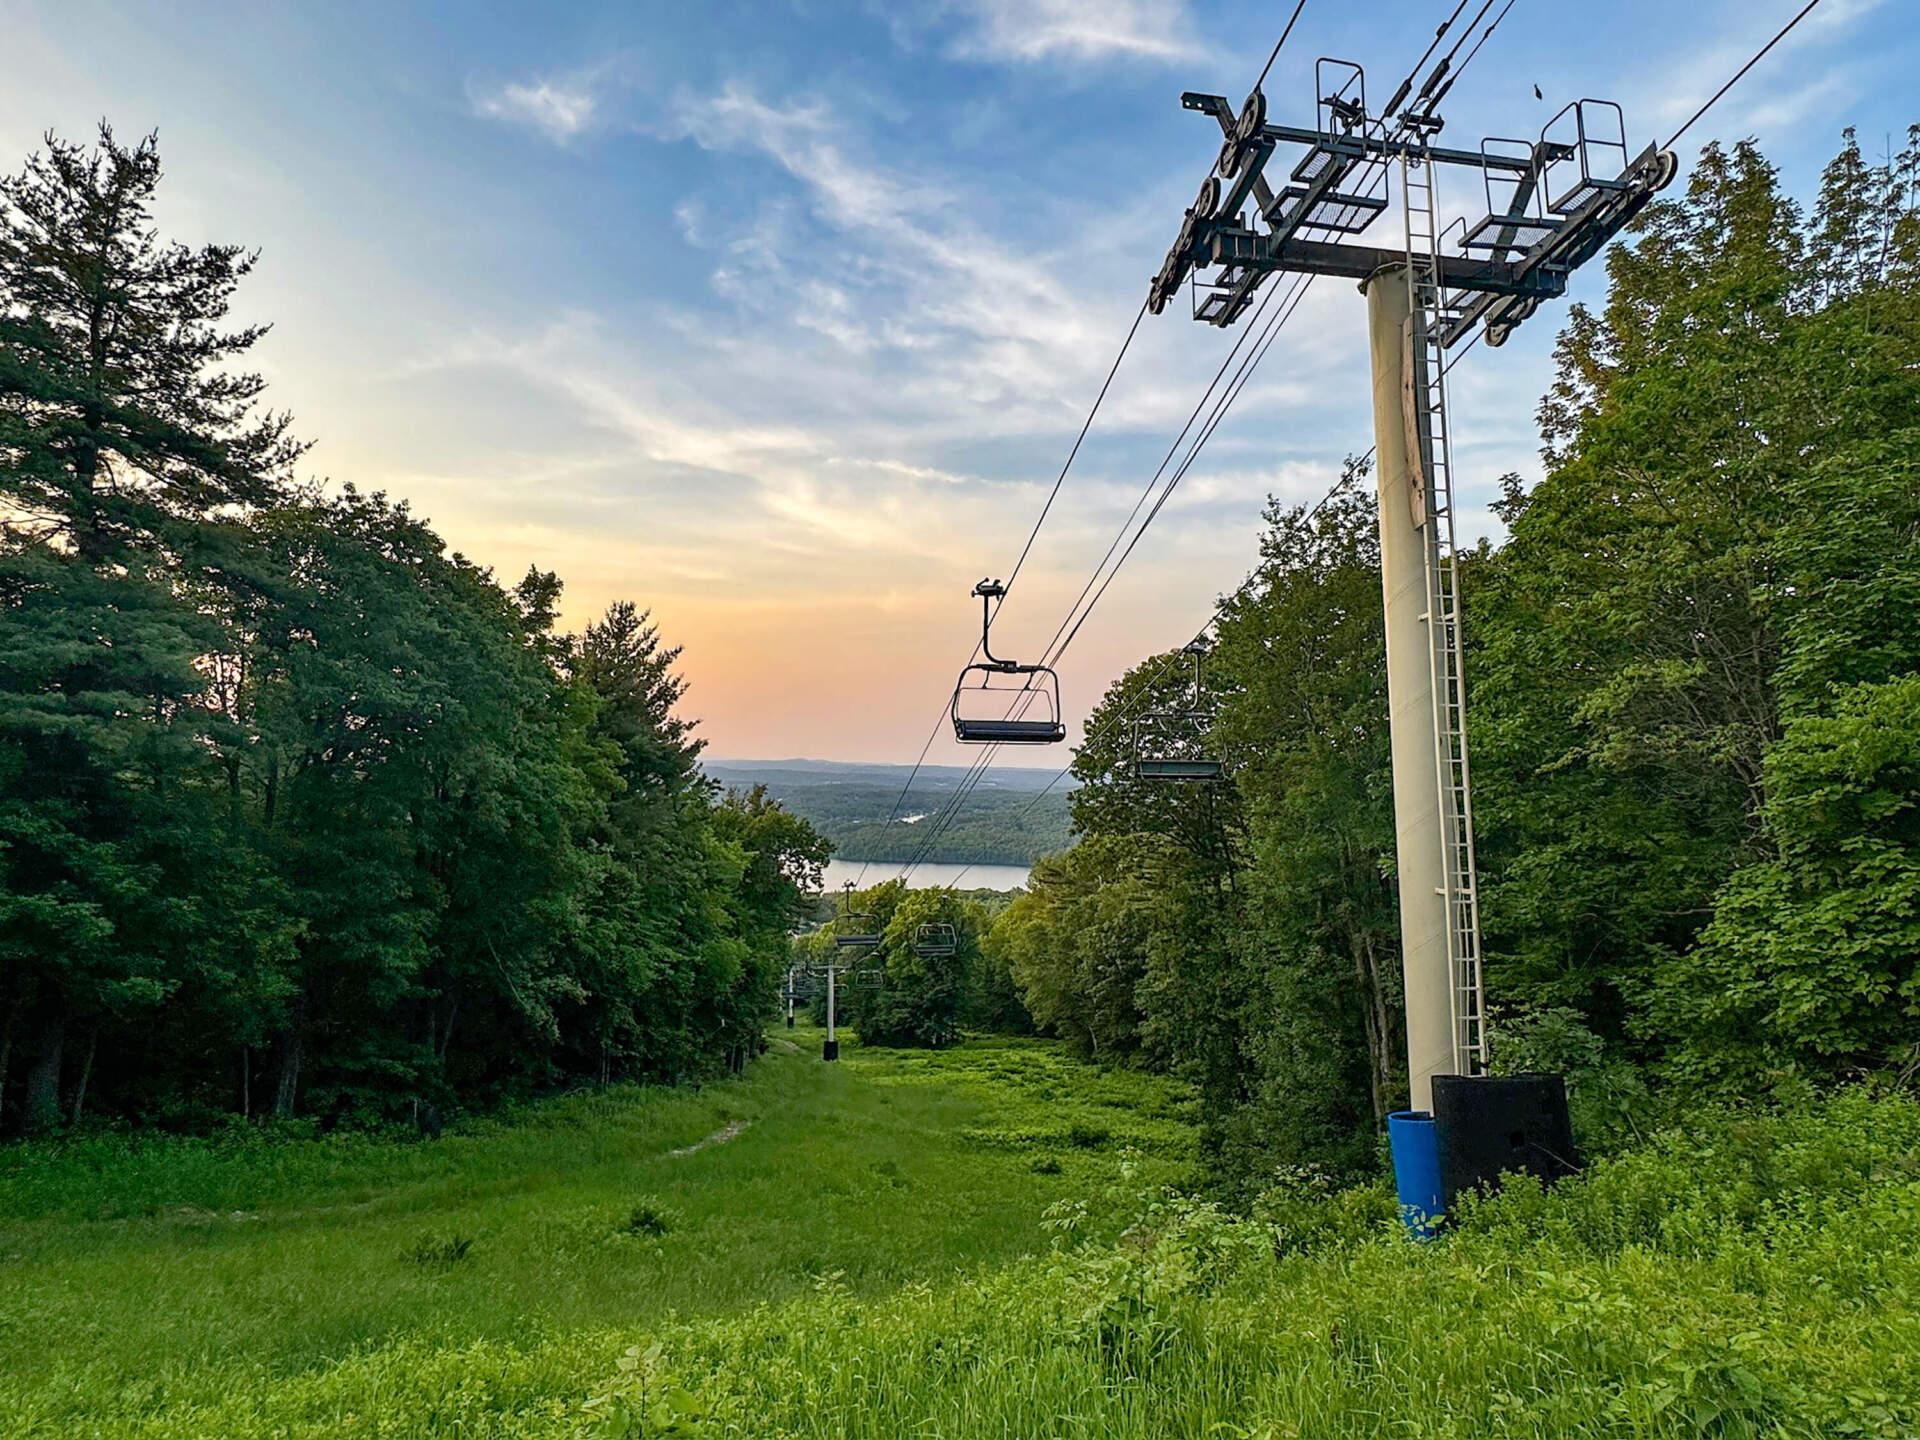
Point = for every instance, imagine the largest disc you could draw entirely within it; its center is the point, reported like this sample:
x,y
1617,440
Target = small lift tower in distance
x,y
1553,203
857,941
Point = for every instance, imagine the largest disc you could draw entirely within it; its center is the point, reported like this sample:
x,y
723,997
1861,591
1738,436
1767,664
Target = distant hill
x,y
1001,822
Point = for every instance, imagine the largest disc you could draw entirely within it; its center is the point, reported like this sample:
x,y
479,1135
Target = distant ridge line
x,y
731,762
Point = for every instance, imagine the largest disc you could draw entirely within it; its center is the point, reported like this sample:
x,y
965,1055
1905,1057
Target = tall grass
x,y
142,1275
1748,1275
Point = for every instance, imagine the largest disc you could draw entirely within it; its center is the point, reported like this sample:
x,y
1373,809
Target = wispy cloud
x,y
1029,30
1780,91
913,275
559,109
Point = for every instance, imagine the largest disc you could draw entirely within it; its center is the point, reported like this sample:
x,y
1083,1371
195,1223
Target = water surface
x,y
927,875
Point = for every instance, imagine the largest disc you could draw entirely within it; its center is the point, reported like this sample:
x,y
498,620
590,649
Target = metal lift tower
x,y
860,939
1552,204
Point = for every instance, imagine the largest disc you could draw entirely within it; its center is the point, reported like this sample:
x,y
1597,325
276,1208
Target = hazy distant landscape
x,y
1010,818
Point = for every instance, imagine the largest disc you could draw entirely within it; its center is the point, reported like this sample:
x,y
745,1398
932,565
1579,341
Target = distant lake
x,y
927,875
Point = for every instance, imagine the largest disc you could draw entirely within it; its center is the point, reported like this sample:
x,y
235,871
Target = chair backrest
x,y
1022,710
1172,745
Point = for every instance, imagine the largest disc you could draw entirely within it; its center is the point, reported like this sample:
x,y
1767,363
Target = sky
x,y
780,318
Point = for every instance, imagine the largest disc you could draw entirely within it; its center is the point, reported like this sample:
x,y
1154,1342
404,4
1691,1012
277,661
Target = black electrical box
x,y
1489,1125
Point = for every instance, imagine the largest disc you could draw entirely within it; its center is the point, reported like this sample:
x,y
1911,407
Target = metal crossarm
x,y
1564,206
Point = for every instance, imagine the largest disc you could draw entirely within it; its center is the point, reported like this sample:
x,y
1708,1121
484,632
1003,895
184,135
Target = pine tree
x,y
128,446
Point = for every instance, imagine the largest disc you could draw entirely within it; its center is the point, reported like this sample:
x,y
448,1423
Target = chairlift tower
x,y
855,943
796,982
1553,203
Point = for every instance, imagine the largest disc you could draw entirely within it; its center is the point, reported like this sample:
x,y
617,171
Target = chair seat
x,y
1008,732
1177,769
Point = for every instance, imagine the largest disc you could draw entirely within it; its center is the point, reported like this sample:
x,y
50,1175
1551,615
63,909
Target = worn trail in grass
x,y
137,1277
1752,1273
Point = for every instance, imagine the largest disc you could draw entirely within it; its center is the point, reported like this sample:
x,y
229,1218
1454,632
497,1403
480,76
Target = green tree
x,y
130,443
926,998
1642,632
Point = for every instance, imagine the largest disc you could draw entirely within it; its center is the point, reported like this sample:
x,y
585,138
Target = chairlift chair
x,y
931,942
1171,744
995,699
863,935
870,978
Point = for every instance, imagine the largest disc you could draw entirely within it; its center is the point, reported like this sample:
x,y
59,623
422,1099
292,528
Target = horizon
x,y
776,763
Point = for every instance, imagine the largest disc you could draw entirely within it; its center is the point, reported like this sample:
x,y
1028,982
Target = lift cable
x,y
1406,85
1252,330
979,767
1283,40
1485,36
1740,74
1218,610
938,823
1168,659
1266,342
1057,647
1025,550
987,757
1222,404
1086,425
1467,34
900,799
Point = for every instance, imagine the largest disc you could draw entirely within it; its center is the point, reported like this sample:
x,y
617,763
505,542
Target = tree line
x,y
929,980
300,812
1694,674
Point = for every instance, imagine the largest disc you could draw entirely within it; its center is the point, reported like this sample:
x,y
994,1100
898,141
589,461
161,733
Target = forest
x,y
883,812
1694,706
896,993
300,813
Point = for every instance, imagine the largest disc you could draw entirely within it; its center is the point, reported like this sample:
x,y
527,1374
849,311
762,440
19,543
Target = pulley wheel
x,y
1229,162
1208,200
1666,165
1253,115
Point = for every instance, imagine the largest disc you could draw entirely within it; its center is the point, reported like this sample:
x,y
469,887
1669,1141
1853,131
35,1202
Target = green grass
x,y
863,1261
148,1276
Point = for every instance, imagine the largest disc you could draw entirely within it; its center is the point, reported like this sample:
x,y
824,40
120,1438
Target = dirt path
x,y
718,1137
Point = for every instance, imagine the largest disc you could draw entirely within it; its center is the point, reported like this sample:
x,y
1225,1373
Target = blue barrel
x,y
1415,1140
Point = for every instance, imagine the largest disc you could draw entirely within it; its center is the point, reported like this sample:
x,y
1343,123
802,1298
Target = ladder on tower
x,y
1432,453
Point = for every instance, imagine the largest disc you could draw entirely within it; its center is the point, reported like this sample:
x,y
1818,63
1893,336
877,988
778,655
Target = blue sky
x,y
780,317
